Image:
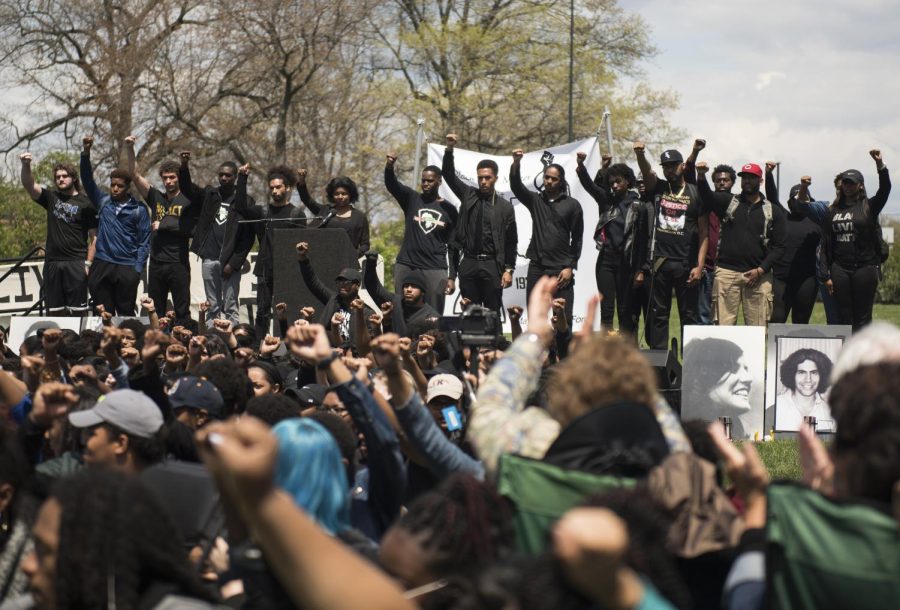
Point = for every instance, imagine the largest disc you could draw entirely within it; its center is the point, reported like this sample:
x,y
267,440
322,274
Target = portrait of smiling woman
x,y
805,375
723,378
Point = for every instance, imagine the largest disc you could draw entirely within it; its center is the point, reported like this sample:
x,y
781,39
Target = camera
x,y
476,326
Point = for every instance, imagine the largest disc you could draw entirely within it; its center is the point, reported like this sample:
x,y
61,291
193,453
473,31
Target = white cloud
x,y
794,81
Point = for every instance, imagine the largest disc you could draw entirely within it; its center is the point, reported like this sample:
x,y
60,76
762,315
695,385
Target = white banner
x,y
532,169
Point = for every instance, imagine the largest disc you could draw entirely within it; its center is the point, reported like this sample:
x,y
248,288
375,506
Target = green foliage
x,y
386,239
23,223
889,287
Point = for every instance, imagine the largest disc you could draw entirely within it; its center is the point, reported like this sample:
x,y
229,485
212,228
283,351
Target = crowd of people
x,y
362,458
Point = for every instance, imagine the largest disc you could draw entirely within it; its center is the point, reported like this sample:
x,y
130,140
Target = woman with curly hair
x,y
342,193
103,540
806,376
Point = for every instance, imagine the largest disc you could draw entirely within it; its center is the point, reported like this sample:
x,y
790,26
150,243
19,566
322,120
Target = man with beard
x,y
485,233
751,241
170,270
343,302
219,239
281,180
677,246
416,315
70,225
429,227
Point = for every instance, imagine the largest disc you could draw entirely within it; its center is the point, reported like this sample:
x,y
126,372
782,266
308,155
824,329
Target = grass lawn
x,y
781,457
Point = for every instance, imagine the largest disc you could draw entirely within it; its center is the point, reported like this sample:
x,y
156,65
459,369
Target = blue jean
x,y
221,292
704,298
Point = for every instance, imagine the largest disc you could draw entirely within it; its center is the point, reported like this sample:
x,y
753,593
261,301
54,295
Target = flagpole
x,y
420,139
607,118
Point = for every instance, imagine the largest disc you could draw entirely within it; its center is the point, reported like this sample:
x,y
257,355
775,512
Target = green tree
x,y
386,239
496,71
889,287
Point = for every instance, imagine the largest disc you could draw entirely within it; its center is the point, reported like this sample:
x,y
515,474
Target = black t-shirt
x,y
676,221
68,220
212,247
172,238
851,230
429,226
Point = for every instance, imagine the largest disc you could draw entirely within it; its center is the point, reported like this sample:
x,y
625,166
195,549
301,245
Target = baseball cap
x,y
349,273
311,395
196,393
670,156
414,278
752,169
854,176
131,411
444,385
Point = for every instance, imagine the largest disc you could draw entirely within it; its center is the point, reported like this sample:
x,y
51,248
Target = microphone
x,y
331,214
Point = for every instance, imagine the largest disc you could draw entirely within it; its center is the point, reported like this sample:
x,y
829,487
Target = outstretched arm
x,y
319,290
305,196
448,169
86,172
31,187
402,193
600,194
649,175
140,182
878,202
515,181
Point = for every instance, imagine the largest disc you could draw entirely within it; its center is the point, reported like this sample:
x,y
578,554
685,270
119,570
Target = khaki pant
x,y
730,291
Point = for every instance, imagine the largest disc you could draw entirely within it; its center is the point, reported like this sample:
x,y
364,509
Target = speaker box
x,y
330,251
668,375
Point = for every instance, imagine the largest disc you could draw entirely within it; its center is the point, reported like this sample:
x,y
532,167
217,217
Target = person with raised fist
x,y
123,238
430,221
71,227
485,233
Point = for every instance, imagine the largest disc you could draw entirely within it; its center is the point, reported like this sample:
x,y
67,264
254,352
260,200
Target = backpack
x,y
767,213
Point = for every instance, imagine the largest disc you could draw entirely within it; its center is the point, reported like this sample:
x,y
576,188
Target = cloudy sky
x,y
814,84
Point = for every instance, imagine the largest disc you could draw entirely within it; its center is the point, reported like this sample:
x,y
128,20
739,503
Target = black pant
x,y
615,281
854,291
164,278
264,287
536,271
114,287
672,276
479,281
65,286
795,296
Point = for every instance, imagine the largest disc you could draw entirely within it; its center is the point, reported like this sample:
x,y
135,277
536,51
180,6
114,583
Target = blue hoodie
x,y
123,236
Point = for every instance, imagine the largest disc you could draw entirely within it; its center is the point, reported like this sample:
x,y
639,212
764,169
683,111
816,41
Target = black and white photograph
x,y
798,375
722,377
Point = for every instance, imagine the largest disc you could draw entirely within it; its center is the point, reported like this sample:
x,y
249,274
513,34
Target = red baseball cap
x,y
751,168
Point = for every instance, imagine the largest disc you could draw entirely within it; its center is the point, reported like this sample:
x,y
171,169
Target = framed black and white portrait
x,y
722,376
799,366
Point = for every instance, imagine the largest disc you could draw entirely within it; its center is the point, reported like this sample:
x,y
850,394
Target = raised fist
x,y
244,170
515,313
302,250
391,158
148,304
699,144
185,156
580,156
639,147
130,140
301,175
605,160
805,180
452,139
307,312
875,153
203,306
25,158
87,142
357,305
770,166
702,167
281,309
517,155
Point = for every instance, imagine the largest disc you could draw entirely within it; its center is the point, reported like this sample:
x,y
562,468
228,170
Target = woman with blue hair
x,y
311,470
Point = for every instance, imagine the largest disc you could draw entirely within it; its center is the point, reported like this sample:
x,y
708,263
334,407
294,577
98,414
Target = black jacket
x,y
503,219
238,237
638,218
329,298
406,321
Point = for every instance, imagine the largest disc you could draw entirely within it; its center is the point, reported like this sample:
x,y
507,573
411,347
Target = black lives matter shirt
x,y
171,240
68,220
850,228
676,221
